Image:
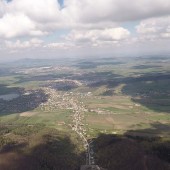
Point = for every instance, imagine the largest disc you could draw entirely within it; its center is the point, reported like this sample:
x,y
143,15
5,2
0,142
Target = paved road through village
x,y
79,129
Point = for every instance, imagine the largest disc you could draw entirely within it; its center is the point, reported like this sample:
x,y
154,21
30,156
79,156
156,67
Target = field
x,y
127,99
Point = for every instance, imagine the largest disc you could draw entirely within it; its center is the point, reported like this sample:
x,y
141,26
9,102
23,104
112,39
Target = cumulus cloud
x,y
47,15
39,10
2,7
12,25
154,28
27,17
89,22
18,44
97,35
115,10
78,39
60,45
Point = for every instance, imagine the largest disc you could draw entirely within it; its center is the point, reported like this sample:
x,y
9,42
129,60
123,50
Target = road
x,y
78,116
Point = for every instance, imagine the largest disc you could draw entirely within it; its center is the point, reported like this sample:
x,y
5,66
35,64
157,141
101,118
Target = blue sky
x,y
61,2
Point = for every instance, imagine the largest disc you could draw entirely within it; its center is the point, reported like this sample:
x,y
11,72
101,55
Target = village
x,y
69,100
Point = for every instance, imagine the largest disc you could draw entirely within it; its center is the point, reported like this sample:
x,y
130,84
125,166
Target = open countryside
x,y
88,116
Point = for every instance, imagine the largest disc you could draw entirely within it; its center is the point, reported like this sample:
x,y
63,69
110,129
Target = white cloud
x,y
2,7
27,17
98,35
39,10
17,25
79,39
154,28
60,45
95,23
45,15
18,44
115,10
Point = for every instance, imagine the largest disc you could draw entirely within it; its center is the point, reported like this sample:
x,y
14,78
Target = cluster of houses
x,y
69,100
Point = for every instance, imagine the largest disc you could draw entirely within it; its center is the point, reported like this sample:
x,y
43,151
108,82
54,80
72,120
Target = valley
x,y
82,108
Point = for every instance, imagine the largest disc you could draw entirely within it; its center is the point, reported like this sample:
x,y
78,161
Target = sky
x,y
75,28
